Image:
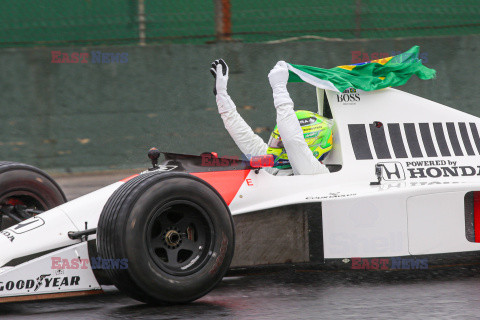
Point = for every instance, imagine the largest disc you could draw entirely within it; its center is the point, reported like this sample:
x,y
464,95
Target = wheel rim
x,y
28,198
180,237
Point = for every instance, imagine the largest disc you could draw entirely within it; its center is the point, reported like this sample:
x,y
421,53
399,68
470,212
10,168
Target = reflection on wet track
x,y
292,293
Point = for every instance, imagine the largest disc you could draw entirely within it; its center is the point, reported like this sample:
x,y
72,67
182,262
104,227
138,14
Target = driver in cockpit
x,y
301,139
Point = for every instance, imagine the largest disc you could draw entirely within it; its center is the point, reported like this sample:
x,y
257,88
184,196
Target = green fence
x,y
93,22
52,22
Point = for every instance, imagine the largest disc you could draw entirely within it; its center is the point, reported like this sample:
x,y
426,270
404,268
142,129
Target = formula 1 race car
x,y
404,182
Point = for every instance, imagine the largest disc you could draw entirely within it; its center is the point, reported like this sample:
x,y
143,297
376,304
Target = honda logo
x,y
392,171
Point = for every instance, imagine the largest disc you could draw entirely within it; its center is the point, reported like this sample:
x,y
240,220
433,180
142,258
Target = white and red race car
x,y
404,181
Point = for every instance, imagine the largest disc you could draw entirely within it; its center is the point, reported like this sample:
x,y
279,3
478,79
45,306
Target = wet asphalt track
x,y
291,293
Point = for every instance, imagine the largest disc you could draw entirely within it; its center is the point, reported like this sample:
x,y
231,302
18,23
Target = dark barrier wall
x,y
85,116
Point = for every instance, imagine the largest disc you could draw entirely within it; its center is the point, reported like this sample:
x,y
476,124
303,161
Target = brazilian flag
x,y
376,74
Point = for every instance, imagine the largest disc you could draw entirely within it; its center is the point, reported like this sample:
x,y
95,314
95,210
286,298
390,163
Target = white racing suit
x,y
300,156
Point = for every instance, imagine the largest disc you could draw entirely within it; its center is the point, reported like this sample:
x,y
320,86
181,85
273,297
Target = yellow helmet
x,y
317,131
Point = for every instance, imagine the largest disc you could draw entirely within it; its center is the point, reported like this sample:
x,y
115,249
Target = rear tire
x,y
176,233
29,186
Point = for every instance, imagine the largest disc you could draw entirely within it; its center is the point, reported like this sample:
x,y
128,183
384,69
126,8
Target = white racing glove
x,y
219,71
278,78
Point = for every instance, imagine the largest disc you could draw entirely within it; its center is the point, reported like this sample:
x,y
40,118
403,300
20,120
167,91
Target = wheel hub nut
x,y
173,238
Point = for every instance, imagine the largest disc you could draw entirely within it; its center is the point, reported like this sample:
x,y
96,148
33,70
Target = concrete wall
x,y
88,116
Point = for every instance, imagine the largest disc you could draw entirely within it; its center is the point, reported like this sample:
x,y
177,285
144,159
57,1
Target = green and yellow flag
x,y
367,76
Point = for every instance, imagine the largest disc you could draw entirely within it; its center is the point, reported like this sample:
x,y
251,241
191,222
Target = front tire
x,y
176,233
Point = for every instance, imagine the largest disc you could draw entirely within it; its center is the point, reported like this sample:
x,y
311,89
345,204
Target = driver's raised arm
x,y
299,154
247,141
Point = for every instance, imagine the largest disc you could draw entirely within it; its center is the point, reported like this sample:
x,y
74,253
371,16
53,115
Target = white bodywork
x,y
414,213
417,209
37,276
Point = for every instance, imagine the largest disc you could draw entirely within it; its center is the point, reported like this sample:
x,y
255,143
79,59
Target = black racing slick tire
x,y
175,232
29,187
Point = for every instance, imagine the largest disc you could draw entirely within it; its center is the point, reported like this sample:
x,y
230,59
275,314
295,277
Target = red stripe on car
x,y
476,215
129,178
227,183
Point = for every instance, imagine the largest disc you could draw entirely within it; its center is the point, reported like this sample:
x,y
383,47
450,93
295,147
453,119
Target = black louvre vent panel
x,y
434,142
441,140
452,133
466,139
476,137
412,140
427,140
358,136
379,142
397,140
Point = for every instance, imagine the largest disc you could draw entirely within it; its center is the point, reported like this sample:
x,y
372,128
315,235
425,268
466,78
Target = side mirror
x,y
262,161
